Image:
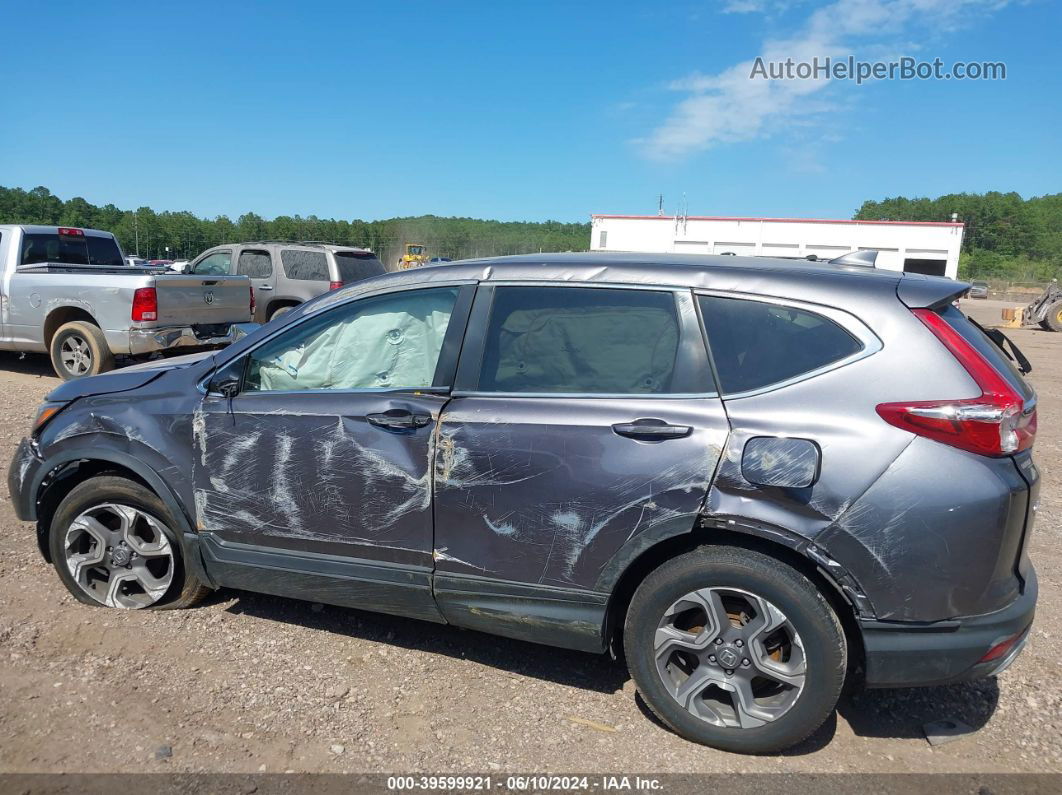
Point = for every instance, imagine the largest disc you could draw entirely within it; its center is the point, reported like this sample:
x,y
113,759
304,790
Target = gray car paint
x,y
538,510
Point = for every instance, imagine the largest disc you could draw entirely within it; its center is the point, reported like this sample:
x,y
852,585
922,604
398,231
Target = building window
x,y
603,239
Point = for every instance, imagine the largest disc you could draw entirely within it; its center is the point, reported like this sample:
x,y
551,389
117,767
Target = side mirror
x,y
224,385
781,461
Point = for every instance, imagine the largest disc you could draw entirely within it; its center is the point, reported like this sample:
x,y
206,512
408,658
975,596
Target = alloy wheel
x,y
76,355
730,657
120,556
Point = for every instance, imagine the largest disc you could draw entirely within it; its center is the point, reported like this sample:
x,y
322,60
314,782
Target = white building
x,y
916,246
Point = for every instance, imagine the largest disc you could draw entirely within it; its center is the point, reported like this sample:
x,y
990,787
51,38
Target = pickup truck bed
x,y
85,313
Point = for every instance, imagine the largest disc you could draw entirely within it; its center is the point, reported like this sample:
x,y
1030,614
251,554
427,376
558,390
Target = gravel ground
x,y
250,683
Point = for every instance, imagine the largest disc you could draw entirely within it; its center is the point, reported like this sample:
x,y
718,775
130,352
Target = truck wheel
x,y
113,545
79,349
1054,316
736,650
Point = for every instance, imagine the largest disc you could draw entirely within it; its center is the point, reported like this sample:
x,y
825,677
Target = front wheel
x,y
1054,316
736,650
113,545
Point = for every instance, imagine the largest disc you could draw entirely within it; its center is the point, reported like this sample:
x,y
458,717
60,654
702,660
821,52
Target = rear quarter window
x,y
304,265
756,344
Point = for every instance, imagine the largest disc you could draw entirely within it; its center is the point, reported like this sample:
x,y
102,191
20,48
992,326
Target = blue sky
x,y
520,110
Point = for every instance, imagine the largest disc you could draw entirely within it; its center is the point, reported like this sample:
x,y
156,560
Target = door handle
x,y
264,287
651,429
398,420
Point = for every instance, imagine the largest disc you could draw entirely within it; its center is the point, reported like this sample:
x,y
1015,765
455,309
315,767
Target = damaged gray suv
x,y
753,477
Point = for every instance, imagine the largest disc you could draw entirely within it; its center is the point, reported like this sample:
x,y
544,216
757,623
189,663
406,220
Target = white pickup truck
x,y
69,293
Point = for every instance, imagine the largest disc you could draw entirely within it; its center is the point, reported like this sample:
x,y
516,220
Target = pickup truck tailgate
x,y
190,300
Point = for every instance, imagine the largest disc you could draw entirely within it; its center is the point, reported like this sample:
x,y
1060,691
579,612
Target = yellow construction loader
x,y
415,256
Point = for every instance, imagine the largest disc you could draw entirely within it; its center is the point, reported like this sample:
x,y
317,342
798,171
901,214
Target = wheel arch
x,y
62,315
279,303
786,548
72,468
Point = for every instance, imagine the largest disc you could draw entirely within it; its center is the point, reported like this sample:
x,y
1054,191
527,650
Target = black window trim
x,y
690,354
445,368
869,341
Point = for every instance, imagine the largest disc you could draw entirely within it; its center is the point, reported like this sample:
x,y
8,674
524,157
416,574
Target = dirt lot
x,y
249,683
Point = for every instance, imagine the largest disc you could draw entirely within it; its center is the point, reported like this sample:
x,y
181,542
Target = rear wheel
x,y
280,312
113,545
79,349
1053,318
735,650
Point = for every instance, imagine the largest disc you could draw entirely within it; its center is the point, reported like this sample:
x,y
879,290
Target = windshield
x,y
353,266
38,247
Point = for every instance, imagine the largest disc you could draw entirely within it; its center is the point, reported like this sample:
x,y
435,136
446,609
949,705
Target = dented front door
x,y
319,472
314,479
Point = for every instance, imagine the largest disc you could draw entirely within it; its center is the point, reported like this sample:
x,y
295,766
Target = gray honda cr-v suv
x,y
754,476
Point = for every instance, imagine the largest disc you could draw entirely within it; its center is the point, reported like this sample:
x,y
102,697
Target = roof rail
x,y
865,258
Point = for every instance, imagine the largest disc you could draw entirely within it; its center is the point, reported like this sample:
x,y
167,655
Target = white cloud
x,y
730,106
743,6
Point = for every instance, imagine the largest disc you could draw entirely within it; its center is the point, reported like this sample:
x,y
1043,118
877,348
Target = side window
x,y
388,342
580,340
756,344
255,264
305,265
216,264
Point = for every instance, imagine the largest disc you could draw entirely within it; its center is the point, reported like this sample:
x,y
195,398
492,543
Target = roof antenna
x,y
660,205
680,217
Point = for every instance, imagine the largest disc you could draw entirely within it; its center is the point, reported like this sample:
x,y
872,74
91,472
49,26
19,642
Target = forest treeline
x,y
1007,237
149,233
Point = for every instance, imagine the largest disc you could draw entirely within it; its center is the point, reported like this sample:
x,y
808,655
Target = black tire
x,y
281,311
823,640
1053,319
185,590
86,343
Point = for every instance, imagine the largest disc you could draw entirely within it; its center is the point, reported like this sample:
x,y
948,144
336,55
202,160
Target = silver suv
x,y
284,275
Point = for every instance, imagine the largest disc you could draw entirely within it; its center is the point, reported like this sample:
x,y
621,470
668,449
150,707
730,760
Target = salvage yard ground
x,y
250,682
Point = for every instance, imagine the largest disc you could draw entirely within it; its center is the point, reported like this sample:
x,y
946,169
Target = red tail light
x,y
252,300
334,285
1002,647
71,231
993,424
145,305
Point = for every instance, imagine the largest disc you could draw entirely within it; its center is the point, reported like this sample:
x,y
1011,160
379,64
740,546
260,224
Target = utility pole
x,y
136,230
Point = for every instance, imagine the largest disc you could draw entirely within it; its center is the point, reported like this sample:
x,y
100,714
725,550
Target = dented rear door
x,y
585,421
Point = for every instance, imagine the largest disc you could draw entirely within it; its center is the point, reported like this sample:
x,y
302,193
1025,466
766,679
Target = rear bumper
x,y
152,340
906,655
